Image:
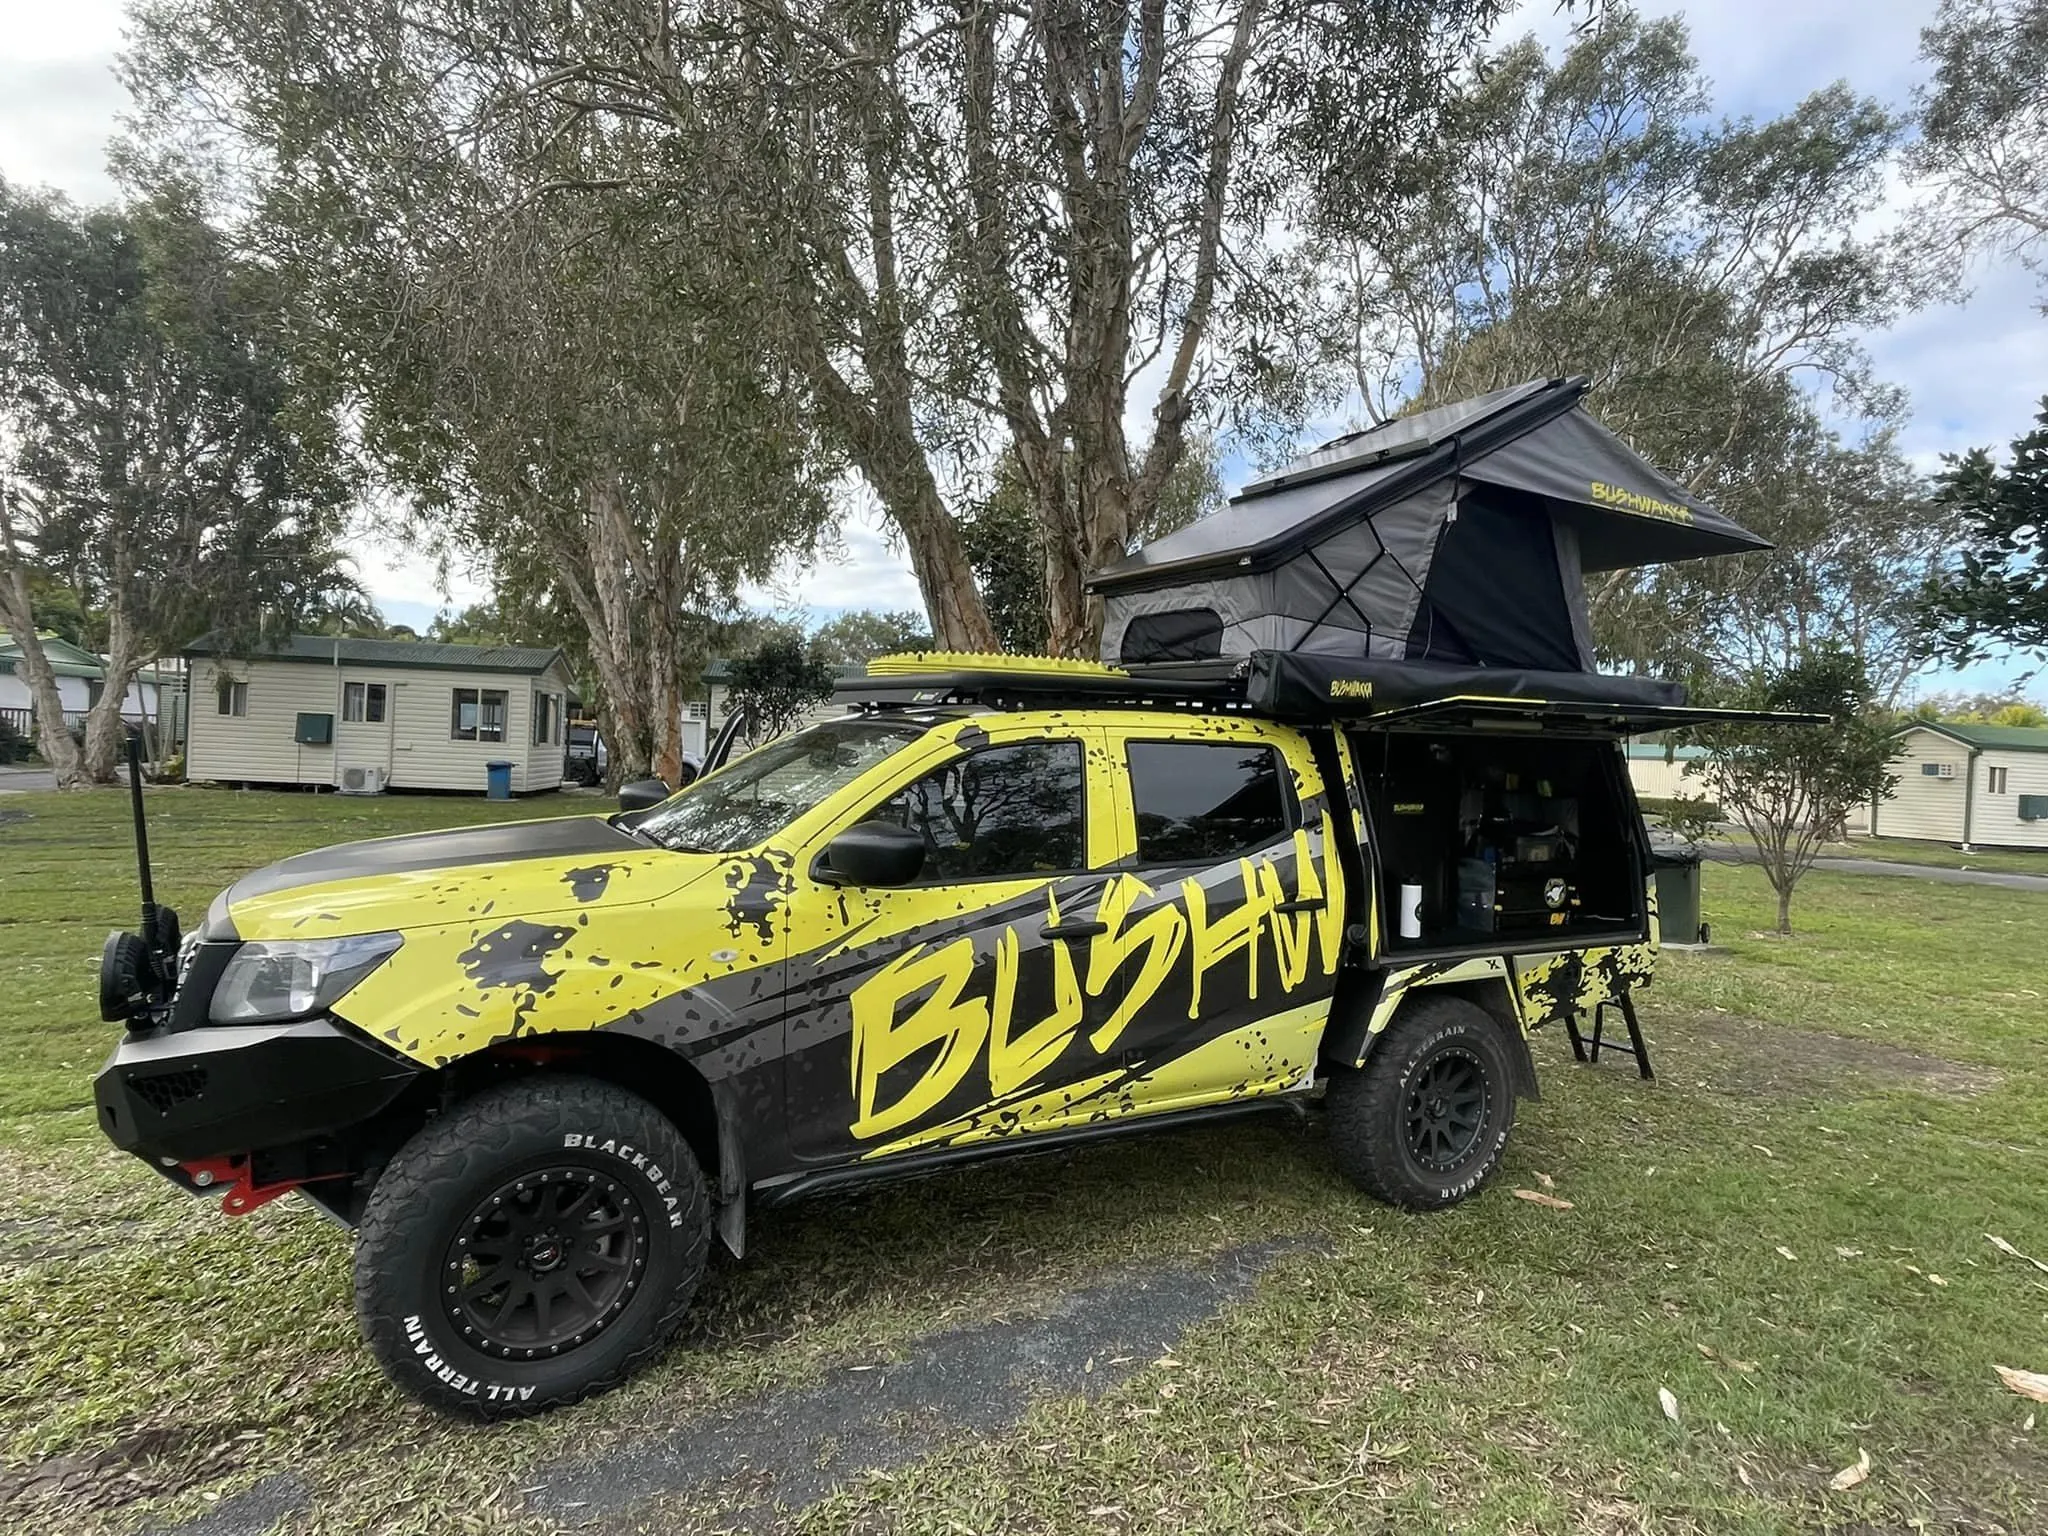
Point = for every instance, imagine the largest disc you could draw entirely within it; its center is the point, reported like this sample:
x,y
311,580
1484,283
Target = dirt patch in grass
x,y
142,1465
1749,1056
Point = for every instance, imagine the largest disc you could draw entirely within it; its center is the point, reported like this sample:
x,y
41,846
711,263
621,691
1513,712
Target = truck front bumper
x,y
224,1089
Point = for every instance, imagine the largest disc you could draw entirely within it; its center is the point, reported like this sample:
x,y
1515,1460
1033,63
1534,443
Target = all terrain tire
x,y
1424,1122
533,1246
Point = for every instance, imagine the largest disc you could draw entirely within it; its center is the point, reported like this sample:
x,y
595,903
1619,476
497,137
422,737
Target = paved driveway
x,y
15,779
1744,853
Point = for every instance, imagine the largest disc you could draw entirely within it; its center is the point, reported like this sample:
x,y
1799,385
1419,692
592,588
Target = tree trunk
x,y
105,733
17,616
952,601
665,702
1785,909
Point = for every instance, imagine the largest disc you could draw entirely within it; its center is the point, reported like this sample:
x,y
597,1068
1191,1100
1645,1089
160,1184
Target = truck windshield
x,y
768,789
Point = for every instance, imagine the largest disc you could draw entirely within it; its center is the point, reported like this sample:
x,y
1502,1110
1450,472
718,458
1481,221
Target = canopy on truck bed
x,y
1456,538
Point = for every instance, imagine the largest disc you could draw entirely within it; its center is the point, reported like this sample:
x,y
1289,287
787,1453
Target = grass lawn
x,y
1786,1232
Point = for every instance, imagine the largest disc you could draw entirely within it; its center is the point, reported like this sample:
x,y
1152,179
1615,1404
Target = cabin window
x,y
547,713
1203,803
1994,780
232,697
477,714
363,702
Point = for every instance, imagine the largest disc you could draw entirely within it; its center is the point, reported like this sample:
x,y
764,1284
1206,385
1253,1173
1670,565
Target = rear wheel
x,y
1424,1122
531,1247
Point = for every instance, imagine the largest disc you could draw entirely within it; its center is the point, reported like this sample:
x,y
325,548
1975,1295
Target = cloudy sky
x,y
1974,370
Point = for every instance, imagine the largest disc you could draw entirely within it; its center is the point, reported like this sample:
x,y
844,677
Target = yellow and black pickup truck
x,y
1002,904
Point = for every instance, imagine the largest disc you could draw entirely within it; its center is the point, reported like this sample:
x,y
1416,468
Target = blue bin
x,y
498,776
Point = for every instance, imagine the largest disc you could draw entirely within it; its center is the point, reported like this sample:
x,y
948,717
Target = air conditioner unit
x,y
363,781
1944,770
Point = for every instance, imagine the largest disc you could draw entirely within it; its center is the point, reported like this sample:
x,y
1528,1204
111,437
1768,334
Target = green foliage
x,y
777,684
1979,709
13,745
1586,214
1791,787
166,460
1995,591
1691,816
864,634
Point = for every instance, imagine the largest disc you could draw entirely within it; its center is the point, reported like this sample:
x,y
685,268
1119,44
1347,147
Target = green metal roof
x,y
2002,738
66,659
434,655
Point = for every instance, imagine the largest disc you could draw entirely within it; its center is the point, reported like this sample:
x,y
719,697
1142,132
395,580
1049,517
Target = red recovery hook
x,y
244,1193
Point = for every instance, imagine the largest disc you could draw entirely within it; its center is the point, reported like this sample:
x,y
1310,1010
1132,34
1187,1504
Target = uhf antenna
x,y
150,935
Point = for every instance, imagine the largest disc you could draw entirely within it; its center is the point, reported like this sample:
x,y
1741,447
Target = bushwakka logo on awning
x,y
1635,501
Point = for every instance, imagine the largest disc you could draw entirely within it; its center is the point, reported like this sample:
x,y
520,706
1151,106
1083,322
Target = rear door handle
x,y
1073,930
1303,904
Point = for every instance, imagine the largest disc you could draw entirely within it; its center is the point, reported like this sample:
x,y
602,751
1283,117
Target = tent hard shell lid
x,y
1454,541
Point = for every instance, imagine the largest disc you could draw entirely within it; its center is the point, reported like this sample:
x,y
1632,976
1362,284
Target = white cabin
x,y
1969,784
369,714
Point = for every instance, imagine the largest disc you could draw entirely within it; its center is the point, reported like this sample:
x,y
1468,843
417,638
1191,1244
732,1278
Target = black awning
x,y
1303,686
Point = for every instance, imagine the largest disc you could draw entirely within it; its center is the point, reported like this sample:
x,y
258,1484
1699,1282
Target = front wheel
x,y
531,1247
1424,1122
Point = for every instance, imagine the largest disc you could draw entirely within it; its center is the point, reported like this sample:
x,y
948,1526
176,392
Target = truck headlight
x,y
290,978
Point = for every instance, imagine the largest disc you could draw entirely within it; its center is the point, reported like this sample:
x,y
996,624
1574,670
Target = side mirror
x,y
874,853
642,794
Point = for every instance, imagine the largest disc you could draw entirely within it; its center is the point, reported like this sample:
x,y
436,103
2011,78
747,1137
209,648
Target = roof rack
x,y
952,679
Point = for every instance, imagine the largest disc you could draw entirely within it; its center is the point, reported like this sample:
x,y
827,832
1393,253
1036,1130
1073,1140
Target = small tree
x,y
864,634
1995,591
1791,788
777,684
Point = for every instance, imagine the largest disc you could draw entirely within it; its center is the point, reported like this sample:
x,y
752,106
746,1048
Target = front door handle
x,y
1303,904
1071,931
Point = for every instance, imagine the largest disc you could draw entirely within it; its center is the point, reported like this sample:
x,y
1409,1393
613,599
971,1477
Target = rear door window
x,y
1205,802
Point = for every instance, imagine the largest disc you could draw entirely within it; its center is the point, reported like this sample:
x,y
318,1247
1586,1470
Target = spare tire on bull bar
x,y
534,1245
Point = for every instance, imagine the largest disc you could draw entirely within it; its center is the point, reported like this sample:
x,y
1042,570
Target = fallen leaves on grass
x,y
2007,1248
1537,1197
1549,1183
1850,1476
2027,1383
1787,1253
1669,1403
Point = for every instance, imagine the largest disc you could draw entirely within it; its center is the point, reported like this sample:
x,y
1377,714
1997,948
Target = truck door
x,y
1224,927
951,1010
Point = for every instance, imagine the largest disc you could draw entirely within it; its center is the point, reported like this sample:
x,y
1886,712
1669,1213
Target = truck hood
x,y
521,868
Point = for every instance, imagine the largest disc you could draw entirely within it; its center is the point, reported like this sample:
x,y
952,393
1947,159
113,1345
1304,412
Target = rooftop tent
x,y
1457,537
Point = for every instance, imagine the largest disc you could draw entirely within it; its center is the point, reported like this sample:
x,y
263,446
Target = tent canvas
x,y
1456,537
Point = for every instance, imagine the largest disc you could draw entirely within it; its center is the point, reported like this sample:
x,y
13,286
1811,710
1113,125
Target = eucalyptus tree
x,y
1586,214
1058,231
546,360
1982,153
164,457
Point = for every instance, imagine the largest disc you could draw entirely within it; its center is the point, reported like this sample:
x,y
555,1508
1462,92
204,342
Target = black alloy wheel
x,y
547,1261
533,1245
1424,1122
1446,1107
